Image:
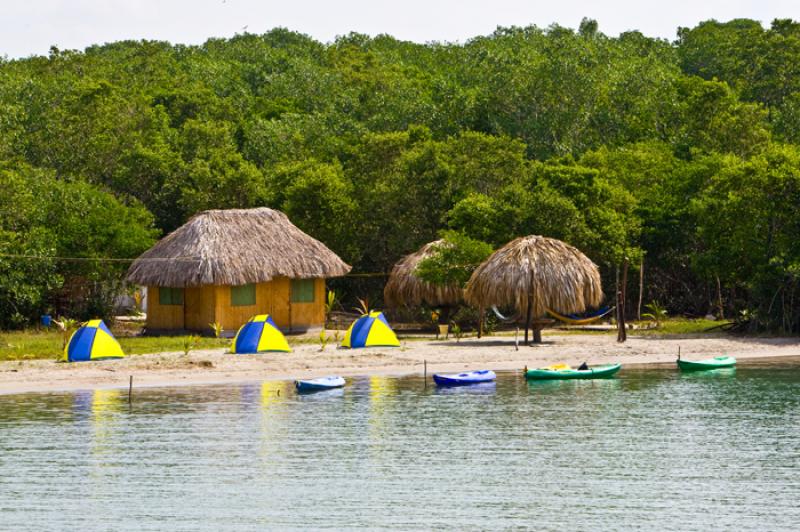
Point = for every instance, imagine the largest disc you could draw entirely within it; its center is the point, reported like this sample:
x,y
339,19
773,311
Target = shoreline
x,y
215,366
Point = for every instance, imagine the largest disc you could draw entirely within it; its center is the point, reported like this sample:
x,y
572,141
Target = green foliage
x,y
189,343
43,218
363,306
656,313
323,340
627,147
217,328
330,303
454,260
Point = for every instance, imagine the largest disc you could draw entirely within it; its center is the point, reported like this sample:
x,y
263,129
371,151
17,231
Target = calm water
x,y
650,449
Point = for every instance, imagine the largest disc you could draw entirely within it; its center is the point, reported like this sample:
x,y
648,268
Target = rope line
x,y
153,259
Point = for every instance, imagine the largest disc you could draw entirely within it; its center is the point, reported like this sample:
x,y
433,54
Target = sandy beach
x,y
498,353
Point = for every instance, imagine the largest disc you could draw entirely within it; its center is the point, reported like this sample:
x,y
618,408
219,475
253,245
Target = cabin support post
x,y
528,318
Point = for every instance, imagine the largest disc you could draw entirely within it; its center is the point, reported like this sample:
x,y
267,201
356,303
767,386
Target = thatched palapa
x,y
225,266
534,273
235,247
405,288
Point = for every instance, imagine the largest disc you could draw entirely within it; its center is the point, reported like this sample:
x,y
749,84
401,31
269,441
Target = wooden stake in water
x,y
130,391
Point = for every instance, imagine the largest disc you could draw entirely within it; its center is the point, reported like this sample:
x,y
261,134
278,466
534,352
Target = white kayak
x,y
322,383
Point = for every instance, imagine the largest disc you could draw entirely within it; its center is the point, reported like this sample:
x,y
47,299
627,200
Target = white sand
x,y
498,353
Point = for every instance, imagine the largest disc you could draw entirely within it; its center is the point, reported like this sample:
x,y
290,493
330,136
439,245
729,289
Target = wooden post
x,y
641,291
621,332
516,339
130,391
537,334
481,312
528,319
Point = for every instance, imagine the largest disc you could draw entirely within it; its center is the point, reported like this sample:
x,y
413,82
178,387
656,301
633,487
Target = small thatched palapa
x,y
405,288
534,273
225,266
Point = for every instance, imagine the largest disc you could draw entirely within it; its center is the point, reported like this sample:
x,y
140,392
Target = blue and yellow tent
x,y
370,330
92,341
258,335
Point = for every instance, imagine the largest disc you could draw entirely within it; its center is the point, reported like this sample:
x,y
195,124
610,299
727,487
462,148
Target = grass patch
x,y
678,326
46,345
41,344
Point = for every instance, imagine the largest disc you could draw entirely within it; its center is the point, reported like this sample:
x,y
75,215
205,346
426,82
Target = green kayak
x,y
709,363
594,372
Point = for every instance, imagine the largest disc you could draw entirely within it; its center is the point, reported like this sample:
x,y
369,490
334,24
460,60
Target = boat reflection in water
x,y
480,388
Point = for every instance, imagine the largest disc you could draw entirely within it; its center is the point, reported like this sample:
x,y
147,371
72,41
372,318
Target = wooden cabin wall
x,y
207,304
162,317
200,309
273,298
310,315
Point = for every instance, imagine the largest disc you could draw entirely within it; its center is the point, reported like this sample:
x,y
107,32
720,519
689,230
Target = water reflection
x,y
719,373
320,395
100,408
481,388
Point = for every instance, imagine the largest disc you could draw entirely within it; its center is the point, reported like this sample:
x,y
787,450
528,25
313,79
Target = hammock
x,y
575,320
503,318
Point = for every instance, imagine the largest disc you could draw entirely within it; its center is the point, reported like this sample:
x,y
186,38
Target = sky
x,y
31,27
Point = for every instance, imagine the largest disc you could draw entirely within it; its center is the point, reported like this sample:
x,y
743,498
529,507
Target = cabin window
x,y
302,290
243,296
168,295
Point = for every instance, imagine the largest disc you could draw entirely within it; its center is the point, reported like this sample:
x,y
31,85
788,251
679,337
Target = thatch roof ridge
x,y
555,274
235,247
405,288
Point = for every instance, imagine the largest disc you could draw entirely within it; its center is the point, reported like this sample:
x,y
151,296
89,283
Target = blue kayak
x,y
322,383
468,377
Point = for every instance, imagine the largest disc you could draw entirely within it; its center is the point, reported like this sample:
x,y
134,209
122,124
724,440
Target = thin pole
x,y
425,369
130,390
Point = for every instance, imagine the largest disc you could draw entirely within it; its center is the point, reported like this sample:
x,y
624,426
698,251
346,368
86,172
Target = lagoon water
x,y
651,449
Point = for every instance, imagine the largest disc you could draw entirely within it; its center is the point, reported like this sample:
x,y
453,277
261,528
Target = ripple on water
x,y
650,449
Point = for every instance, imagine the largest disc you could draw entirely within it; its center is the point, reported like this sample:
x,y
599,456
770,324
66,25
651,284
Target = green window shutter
x,y
243,296
168,295
302,290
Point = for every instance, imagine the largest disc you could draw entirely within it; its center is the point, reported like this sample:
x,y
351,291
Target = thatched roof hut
x,y
235,247
405,288
534,273
225,266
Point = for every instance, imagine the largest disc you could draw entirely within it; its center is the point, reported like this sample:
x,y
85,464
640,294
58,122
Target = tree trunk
x,y
641,291
621,332
719,299
481,312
